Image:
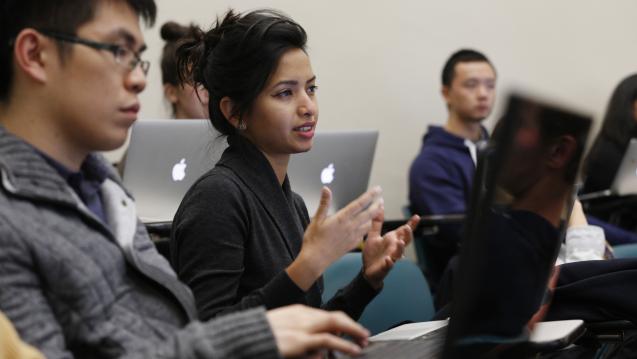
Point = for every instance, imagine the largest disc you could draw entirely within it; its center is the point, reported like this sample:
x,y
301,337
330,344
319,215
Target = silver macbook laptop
x,y
164,159
625,182
339,160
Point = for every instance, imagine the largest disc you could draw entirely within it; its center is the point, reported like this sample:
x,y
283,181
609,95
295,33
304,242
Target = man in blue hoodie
x,y
440,177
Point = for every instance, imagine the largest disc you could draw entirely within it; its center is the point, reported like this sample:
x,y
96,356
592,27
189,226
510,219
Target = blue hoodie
x,y
440,181
441,176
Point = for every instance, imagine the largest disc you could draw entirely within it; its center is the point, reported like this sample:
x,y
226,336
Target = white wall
x,y
378,63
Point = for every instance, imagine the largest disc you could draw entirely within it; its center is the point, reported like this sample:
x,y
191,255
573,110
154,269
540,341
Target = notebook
x,y
164,159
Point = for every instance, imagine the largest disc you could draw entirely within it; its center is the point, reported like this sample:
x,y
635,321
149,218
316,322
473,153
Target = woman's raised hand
x,y
329,237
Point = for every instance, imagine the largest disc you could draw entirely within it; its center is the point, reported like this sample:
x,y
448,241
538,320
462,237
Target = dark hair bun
x,y
172,31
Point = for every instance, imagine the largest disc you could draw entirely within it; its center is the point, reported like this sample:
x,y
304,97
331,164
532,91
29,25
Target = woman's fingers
x,y
324,204
362,203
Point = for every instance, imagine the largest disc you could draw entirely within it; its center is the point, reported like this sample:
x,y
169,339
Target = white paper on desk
x,y
546,332
409,331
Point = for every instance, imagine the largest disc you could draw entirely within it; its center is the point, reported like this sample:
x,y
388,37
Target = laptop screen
x,y
523,190
164,159
340,160
625,182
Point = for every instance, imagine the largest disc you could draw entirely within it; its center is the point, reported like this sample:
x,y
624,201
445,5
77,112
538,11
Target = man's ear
x,y
32,53
445,93
226,105
562,152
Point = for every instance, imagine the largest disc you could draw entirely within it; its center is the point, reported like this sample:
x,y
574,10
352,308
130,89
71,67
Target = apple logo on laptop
x,y
179,170
327,174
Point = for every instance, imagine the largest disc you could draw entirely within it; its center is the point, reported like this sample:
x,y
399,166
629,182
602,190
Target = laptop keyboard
x,y
428,346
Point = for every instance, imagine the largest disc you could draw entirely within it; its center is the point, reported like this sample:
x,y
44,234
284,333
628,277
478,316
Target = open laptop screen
x,y
340,160
625,182
523,190
164,158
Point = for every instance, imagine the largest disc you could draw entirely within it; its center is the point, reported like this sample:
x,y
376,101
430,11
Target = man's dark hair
x,y
237,57
555,123
463,55
64,16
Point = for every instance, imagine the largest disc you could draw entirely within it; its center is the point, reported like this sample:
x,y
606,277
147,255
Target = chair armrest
x,y
611,325
161,229
428,225
608,331
426,222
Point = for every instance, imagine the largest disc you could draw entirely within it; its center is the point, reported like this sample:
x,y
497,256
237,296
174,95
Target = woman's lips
x,y
305,130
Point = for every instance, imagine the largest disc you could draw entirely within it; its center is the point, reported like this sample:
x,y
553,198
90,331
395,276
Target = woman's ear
x,y
170,91
226,105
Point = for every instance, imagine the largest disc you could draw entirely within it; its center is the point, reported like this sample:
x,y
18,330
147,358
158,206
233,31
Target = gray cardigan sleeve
x,y
244,334
241,335
22,298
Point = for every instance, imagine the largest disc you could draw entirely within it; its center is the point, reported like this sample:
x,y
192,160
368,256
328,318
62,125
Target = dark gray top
x,y
237,230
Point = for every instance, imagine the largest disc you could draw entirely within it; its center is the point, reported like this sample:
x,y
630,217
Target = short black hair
x,y
64,16
555,123
463,55
237,57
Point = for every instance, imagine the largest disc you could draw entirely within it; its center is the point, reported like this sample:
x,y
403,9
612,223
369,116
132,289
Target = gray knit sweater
x,y
77,287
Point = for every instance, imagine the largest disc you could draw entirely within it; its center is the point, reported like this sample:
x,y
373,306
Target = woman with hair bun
x,y
187,102
241,238
618,128
605,157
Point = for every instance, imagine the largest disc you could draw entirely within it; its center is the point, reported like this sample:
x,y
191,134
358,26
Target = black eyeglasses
x,y
123,56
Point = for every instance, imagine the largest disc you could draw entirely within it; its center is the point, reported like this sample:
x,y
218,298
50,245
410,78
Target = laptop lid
x,y
625,182
522,193
164,159
340,160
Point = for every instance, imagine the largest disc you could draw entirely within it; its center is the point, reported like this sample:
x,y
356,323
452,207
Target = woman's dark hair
x,y
237,57
174,35
619,124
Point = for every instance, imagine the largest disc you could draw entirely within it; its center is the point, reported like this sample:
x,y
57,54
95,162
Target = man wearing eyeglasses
x,y
79,276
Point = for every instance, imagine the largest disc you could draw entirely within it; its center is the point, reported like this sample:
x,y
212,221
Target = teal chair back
x,y
625,250
405,295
